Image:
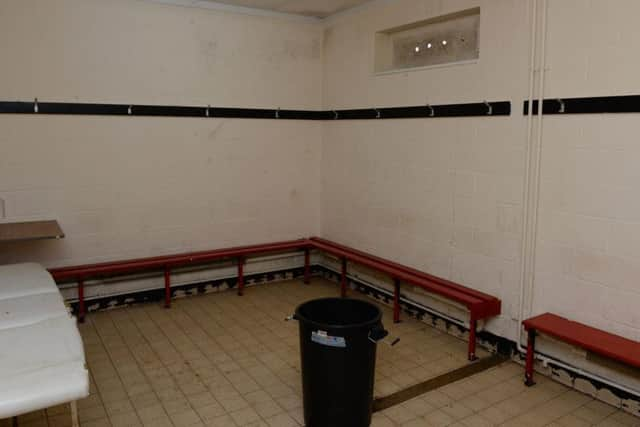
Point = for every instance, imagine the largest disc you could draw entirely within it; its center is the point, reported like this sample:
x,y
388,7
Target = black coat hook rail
x,y
594,105
502,108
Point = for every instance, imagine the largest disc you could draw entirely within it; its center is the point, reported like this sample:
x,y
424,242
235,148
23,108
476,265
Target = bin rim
x,y
373,322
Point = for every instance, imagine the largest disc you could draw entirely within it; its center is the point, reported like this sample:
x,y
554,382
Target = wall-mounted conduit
x,y
593,105
479,109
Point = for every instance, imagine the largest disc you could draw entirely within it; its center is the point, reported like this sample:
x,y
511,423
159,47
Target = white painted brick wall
x,y
130,187
445,195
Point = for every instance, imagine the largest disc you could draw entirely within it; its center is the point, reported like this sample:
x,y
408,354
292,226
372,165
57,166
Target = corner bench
x,y
479,304
595,340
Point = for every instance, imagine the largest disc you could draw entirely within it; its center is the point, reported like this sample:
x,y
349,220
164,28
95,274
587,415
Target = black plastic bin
x,y
338,350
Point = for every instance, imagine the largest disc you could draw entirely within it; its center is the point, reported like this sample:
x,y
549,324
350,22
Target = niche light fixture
x,y
417,49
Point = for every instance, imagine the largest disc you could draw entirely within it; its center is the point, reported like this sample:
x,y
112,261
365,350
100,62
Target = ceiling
x,y
314,8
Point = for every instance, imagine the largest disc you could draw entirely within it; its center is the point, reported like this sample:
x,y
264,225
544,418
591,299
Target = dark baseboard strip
x,y
437,382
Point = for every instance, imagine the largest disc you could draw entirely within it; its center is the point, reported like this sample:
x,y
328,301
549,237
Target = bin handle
x,y
377,334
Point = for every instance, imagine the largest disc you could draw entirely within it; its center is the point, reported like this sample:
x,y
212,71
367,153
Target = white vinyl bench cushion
x,y
19,280
42,360
23,311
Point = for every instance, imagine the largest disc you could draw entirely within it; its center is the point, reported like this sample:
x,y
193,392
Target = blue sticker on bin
x,y
321,337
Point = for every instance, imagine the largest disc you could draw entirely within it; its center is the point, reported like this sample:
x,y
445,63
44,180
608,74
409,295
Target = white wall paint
x,y
132,186
589,229
442,195
445,195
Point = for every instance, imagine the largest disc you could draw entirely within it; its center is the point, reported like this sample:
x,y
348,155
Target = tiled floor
x,y
221,360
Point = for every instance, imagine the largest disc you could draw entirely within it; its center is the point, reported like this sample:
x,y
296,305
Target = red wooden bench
x,y
169,262
595,340
480,305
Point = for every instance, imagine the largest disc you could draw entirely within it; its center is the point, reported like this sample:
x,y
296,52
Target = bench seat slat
x,y
454,294
426,276
587,337
178,260
479,304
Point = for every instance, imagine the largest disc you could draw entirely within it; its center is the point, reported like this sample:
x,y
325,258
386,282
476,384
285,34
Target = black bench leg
x,y
531,344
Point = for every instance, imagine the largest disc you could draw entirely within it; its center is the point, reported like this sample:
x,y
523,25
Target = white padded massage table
x,y
42,360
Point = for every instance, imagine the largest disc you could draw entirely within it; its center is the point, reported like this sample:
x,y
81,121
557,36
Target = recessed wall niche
x,y
445,39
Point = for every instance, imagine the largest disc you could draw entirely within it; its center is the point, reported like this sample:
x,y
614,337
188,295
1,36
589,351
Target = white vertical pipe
x,y
527,165
532,170
531,197
532,173
538,156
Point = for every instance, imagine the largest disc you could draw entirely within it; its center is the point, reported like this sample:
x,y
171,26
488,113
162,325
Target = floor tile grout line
x,y
200,327
111,361
523,391
559,395
185,313
437,382
202,353
261,362
202,308
185,317
493,404
213,337
551,398
160,359
141,368
150,317
176,324
114,323
104,347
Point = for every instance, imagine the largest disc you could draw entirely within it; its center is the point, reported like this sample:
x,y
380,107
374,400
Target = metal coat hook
x,y
432,112
489,108
562,106
278,113
335,115
207,110
35,106
130,110
377,113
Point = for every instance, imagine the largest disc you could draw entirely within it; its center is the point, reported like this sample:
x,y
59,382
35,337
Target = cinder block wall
x,y
125,187
443,195
446,195
589,230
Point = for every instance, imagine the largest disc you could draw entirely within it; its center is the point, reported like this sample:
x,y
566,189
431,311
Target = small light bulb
x,y
417,49
444,42
429,45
